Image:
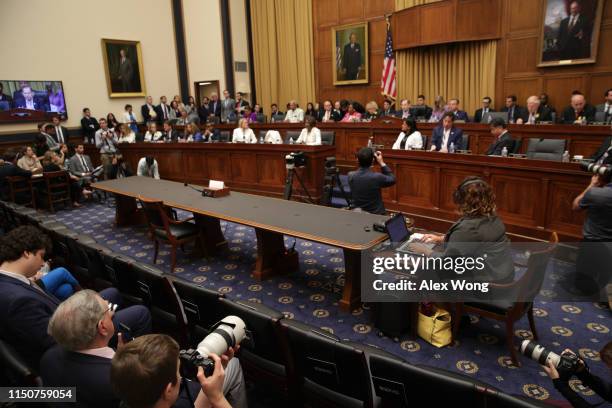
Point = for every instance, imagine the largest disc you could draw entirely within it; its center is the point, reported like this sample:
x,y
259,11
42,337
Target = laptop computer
x,y
399,234
489,116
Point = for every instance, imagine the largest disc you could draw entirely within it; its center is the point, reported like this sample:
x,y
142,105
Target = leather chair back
x,y
546,149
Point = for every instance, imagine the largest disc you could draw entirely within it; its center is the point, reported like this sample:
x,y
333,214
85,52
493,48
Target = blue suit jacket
x,y
365,188
456,137
24,315
462,115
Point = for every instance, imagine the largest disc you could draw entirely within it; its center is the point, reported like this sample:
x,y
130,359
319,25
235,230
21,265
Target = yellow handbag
x,y
436,329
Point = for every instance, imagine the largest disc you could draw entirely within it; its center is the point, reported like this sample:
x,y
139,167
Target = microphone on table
x,y
185,184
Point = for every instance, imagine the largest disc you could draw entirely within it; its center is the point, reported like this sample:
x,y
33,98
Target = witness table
x,y
272,218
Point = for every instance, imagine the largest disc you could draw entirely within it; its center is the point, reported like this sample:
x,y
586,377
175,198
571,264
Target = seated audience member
x,y
7,169
310,135
445,135
273,137
502,138
50,164
453,107
203,110
249,115
604,151
148,112
579,112
145,374
169,134
372,111
421,110
606,107
49,134
243,133
405,112
588,379
544,102
310,110
351,114
128,117
214,108
120,168
486,108
274,110
62,156
89,125
61,133
514,111
366,184
294,114
338,109
178,101
175,111
111,120
534,113
478,231
163,110
439,109
387,109
153,135
409,138
259,115
25,309
192,133
80,165
147,167
82,326
29,161
211,134
126,134
328,114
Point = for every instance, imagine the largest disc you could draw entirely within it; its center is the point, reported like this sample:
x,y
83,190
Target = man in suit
x,y
486,108
241,104
80,166
445,135
387,108
535,112
573,39
29,100
148,111
579,111
514,111
227,106
502,138
25,308
366,184
274,111
203,110
421,110
61,133
351,59
544,102
9,168
163,110
126,72
89,125
169,134
405,112
214,107
328,114
51,138
604,151
606,107
453,107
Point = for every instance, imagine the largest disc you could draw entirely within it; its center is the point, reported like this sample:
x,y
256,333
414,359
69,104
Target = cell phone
x,y
126,333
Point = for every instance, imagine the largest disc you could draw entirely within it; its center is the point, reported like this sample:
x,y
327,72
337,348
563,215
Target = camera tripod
x,y
291,173
332,179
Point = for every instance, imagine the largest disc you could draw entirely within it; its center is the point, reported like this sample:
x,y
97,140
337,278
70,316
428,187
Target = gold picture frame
x,y
123,68
350,56
562,45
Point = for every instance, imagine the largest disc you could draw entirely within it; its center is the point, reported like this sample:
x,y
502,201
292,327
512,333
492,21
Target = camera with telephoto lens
x,y
229,332
603,170
565,362
295,159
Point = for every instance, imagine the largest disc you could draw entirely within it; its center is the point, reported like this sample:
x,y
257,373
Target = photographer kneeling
x,y
145,374
560,380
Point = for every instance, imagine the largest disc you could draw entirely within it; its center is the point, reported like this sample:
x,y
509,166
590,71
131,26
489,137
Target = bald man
x,y
578,112
535,112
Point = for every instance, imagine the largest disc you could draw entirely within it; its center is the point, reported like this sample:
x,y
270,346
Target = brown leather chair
x,y
167,230
502,309
56,188
19,187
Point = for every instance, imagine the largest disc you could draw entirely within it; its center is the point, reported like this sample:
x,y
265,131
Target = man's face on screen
x,y
27,93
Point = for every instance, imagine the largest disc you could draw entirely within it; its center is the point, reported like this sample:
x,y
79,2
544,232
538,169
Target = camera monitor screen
x,y
31,100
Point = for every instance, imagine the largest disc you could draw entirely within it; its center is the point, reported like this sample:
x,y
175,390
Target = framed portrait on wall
x,y
570,32
350,54
123,68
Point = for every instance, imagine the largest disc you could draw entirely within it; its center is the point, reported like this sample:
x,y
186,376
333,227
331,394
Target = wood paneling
x,y
527,49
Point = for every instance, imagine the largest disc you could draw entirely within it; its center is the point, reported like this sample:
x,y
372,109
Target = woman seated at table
x,y
310,135
51,163
62,156
409,138
29,161
479,231
153,135
351,114
249,114
439,109
192,134
372,111
243,133
125,134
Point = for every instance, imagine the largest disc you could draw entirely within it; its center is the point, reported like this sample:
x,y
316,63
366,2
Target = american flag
x,y
338,58
387,83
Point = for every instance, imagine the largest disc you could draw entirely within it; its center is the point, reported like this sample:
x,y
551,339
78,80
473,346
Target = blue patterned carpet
x,y
312,295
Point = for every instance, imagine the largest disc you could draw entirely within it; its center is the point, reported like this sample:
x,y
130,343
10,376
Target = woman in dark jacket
x,y
479,231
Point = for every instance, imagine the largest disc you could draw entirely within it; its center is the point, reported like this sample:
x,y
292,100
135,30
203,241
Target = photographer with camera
x,y
106,141
561,377
145,374
366,184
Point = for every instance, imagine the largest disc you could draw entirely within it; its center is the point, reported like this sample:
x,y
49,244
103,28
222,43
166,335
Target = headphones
x,y
459,193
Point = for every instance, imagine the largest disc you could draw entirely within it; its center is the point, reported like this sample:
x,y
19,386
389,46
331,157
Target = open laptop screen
x,y
396,228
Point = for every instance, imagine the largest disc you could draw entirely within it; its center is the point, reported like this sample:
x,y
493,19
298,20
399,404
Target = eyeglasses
x,y
111,308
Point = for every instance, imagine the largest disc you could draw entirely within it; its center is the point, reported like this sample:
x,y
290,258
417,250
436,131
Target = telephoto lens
x,y
566,363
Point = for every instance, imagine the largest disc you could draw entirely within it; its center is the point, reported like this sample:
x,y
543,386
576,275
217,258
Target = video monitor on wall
x,y
23,101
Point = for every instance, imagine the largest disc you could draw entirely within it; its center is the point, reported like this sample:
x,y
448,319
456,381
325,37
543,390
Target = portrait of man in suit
x,y
350,54
570,31
123,68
